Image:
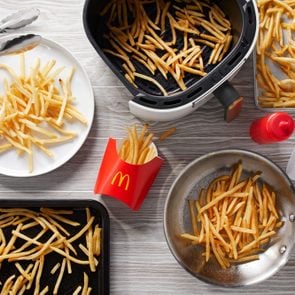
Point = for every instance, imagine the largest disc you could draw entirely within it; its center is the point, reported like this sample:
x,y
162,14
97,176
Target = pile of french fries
x,y
276,46
34,108
156,36
234,218
52,236
137,148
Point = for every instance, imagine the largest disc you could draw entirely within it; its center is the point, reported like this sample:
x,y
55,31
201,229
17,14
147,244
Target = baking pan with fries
x,y
54,247
174,55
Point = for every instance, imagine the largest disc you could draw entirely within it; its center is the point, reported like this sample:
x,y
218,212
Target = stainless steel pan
x,y
177,219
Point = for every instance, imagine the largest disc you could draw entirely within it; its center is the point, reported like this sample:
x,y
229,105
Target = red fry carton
x,y
126,182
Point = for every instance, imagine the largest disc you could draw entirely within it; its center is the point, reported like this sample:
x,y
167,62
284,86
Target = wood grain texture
x,y
141,262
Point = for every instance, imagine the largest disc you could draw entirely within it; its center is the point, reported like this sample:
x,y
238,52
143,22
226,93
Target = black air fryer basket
x,y
243,17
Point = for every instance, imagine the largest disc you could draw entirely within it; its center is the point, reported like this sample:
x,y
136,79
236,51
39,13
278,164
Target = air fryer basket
x,y
242,17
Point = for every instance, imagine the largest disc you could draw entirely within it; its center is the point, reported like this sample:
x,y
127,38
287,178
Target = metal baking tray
x,y
257,89
257,92
99,280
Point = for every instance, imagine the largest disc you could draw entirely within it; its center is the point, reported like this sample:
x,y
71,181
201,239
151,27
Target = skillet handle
x,y
230,99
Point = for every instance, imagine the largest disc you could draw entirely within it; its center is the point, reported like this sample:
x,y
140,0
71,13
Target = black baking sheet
x,y
99,280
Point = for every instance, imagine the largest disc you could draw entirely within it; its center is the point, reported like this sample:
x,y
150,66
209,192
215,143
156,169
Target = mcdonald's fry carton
x,y
126,182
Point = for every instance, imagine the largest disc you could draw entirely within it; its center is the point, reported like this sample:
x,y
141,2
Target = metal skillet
x,y
199,174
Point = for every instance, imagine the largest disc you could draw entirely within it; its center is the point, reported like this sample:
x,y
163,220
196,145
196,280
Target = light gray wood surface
x,y
140,260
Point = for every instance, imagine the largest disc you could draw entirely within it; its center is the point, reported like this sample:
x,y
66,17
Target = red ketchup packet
x,y
126,182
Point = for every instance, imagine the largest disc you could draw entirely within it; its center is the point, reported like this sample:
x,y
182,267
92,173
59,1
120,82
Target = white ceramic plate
x,y
14,165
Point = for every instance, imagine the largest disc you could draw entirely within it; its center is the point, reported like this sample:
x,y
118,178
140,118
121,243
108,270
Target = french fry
x,y
57,284
152,80
85,285
55,268
167,133
190,237
44,291
77,291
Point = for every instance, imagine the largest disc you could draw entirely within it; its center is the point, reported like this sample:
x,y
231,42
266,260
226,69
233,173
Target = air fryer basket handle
x,y
230,99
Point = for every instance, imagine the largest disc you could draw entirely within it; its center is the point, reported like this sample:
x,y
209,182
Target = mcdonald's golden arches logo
x,y
121,177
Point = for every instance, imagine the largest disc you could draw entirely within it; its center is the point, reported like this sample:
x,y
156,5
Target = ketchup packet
x,y
126,182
